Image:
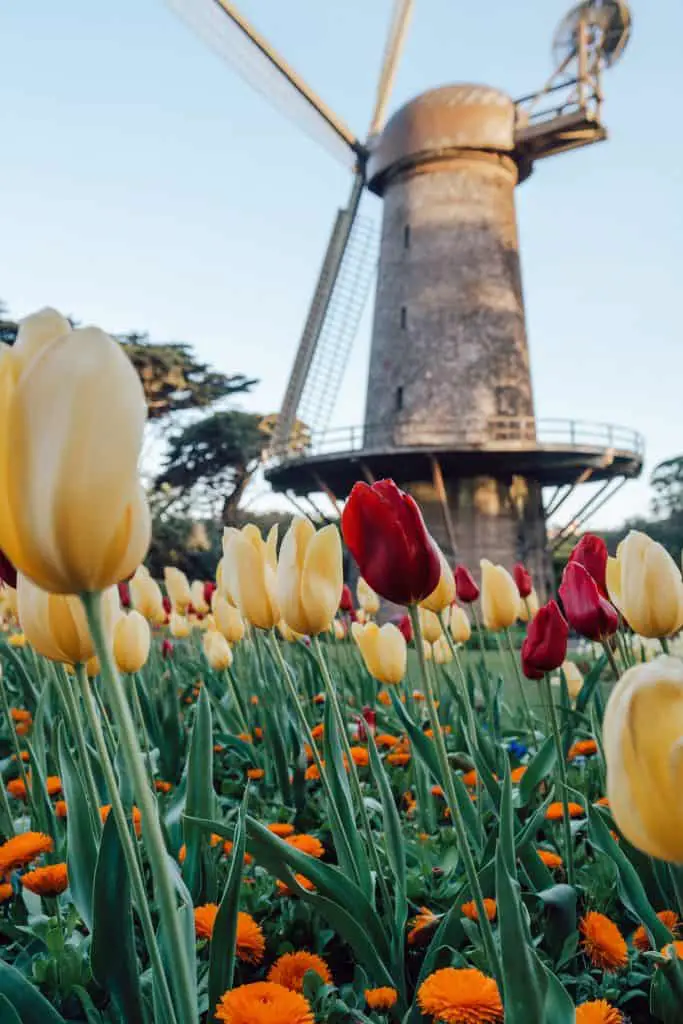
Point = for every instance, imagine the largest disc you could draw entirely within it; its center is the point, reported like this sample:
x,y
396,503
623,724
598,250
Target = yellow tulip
x,y
368,600
217,651
197,594
444,594
179,626
178,589
384,650
229,622
339,629
309,576
249,566
645,584
73,515
131,642
92,667
441,651
362,616
430,624
146,596
459,625
286,633
428,650
572,674
499,596
642,731
55,624
528,606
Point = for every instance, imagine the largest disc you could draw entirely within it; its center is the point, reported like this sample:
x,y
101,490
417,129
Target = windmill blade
x,y
231,36
403,10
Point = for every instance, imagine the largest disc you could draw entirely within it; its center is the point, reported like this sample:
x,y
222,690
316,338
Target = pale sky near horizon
x,y
145,186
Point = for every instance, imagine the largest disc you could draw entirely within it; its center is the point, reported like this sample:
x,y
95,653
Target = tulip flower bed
x,y
247,802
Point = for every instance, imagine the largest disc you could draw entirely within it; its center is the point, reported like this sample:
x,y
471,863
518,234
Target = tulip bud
x,y
587,611
443,595
406,627
166,649
178,589
545,645
73,516
523,580
528,607
386,534
92,667
217,651
209,590
368,600
179,626
124,595
645,584
384,651
466,589
309,576
499,596
430,625
642,730
428,651
459,624
55,624
131,642
339,629
197,595
573,678
441,651
229,622
249,566
591,553
346,600
146,596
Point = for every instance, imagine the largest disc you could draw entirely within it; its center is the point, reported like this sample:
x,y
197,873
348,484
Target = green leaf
x,y
81,840
112,950
199,799
590,683
396,855
222,960
7,1013
25,999
351,853
539,768
273,728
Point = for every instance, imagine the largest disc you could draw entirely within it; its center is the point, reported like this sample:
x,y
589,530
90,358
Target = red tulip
x,y
124,595
8,574
386,534
591,553
367,721
209,591
168,607
166,649
406,627
545,644
523,580
346,601
465,587
588,612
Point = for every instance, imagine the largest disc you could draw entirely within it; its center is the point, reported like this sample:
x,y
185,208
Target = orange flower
x,y
23,728
319,698
598,1011
470,910
317,731
6,891
460,996
60,808
603,943
47,881
258,732
290,969
555,811
398,757
23,755
470,778
385,739
421,923
255,774
162,787
669,919
418,695
437,791
582,748
312,773
384,698
381,998
250,944
182,854
677,948
218,748
281,829
550,859
359,756
228,847
263,1002
21,850
305,883
16,787
205,919
137,818
253,700
307,844
21,715
445,730
602,802
517,774
246,737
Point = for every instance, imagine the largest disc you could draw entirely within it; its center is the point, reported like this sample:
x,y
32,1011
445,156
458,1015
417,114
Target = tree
x,y
667,483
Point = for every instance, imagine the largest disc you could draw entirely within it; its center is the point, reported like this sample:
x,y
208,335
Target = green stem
x,y
456,816
610,657
464,692
79,736
151,827
353,774
236,701
522,691
562,771
665,644
142,729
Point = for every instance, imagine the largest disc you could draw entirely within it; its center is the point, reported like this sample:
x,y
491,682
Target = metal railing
x,y
497,433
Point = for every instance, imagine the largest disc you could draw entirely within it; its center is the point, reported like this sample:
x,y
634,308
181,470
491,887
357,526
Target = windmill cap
x,y
442,120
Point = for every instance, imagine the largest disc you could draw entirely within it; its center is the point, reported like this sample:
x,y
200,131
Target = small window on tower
x,y
406,237
404,316
399,398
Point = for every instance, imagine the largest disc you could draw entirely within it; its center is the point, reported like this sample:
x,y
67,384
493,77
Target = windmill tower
x,y
449,409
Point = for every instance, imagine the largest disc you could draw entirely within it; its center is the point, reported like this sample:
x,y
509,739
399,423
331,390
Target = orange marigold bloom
x,y
359,756
162,787
437,791
182,854
319,698
23,755
555,811
23,728
246,737
398,757
598,1011
137,818
421,923
384,698
205,919
307,844
281,829
218,748
381,998
640,939
603,943
582,748
228,847
263,1002
677,948
470,778
305,883
446,730
250,945
290,969
258,732
418,695
255,774
470,910
312,773
460,996
16,787
253,700
48,881
385,739
21,850
21,715
517,774
6,891
550,859
317,731
602,802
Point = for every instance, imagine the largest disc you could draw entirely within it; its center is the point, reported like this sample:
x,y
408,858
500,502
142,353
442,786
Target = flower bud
x,y
466,589
197,594
523,580
545,645
430,625
229,622
384,651
573,677
645,584
591,553
309,576
178,589
179,626
131,642
587,611
217,651
528,607
55,624
441,651
459,625
146,596
346,599
249,566
339,629
499,596
368,600
443,595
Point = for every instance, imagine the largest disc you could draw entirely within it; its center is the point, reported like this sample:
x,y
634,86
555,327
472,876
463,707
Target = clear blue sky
x,y
144,185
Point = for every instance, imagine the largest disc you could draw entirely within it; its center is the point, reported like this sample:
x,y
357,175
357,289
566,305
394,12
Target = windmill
x,y
449,409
